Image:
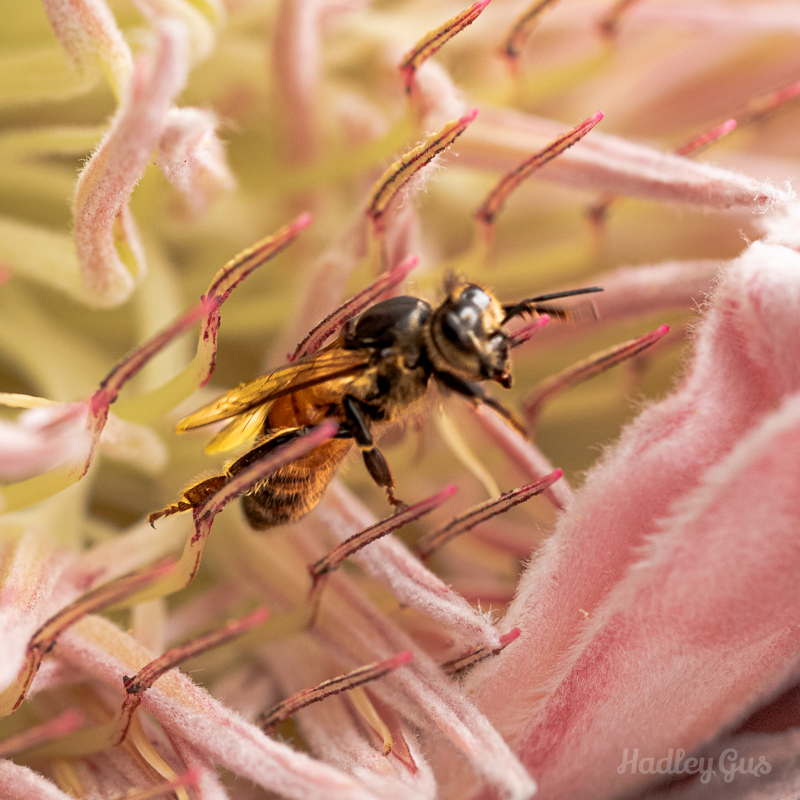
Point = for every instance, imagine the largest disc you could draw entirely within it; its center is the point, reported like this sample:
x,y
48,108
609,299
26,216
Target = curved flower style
x,y
622,629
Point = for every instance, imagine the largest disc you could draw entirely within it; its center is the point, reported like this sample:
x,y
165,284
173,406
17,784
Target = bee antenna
x,y
537,305
451,280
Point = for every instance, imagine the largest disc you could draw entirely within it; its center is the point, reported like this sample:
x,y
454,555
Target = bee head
x,y
466,337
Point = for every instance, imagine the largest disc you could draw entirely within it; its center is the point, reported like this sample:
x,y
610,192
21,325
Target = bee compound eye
x,y
474,295
453,328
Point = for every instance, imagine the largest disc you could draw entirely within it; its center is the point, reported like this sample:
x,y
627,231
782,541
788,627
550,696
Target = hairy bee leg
x,y
193,497
380,473
197,494
250,457
374,459
475,392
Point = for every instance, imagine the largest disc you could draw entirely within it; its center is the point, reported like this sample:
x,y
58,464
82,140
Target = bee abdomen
x,y
283,497
295,489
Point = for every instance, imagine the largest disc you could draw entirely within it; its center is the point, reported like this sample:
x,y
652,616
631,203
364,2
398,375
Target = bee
x,y
381,364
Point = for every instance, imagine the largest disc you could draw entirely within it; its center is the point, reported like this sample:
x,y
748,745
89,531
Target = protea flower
x,y
631,629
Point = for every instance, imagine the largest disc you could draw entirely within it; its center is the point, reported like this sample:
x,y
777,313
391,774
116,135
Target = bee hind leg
x,y
193,497
197,494
374,459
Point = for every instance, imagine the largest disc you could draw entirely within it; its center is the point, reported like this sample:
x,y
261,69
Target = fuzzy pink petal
x,y
500,137
137,445
21,783
187,710
746,360
408,579
296,68
201,21
28,583
133,549
783,227
437,97
419,691
715,17
42,438
354,632
209,786
337,735
192,157
402,225
86,29
112,773
325,284
100,205
633,292
694,634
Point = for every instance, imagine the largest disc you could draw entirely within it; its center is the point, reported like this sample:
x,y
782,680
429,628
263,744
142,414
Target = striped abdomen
x,y
293,490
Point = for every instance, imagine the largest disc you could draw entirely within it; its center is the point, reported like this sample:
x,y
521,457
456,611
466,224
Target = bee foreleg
x,y
476,393
374,459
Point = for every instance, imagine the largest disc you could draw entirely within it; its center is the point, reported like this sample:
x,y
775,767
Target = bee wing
x,y
326,365
241,428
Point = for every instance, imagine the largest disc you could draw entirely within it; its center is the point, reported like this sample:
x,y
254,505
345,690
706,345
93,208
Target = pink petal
x,y
413,584
420,691
528,459
296,75
86,29
112,773
29,580
745,362
137,547
402,225
714,17
633,292
746,359
703,625
21,783
437,97
135,444
325,284
186,710
192,157
41,439
209,786
100,205
355,633
336,736
202,22
42,732
500,137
